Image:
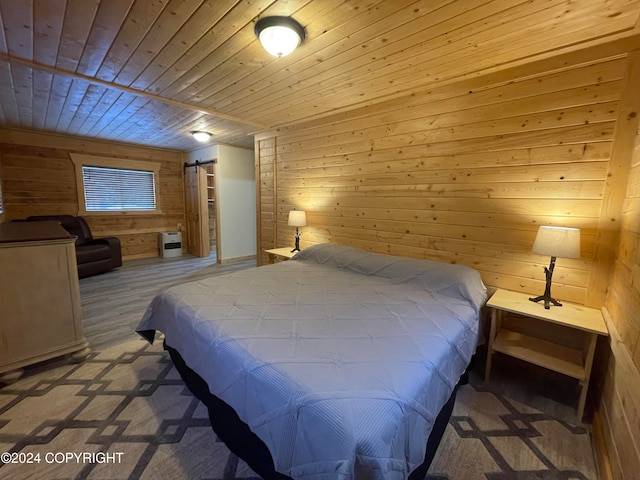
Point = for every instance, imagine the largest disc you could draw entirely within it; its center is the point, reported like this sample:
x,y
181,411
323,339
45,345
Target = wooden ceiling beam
x,y
122,88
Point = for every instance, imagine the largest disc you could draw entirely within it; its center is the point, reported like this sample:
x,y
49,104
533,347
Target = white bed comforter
x,y
339,359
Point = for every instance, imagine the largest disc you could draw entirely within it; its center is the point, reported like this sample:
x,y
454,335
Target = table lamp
x,y
556,242
297,218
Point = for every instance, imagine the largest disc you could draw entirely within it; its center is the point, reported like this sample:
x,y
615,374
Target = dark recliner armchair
x,y
93,255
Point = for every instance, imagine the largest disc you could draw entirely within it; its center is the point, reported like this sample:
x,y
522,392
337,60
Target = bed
x,y
337,364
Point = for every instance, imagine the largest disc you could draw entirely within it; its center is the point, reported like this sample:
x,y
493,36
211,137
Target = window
x,y
118,189
1,207
112,185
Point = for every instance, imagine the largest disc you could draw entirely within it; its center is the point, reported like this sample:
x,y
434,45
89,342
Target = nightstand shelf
x,y
568,351
558,358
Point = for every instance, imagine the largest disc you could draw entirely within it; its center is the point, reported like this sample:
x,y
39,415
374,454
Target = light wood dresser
x,y
40,311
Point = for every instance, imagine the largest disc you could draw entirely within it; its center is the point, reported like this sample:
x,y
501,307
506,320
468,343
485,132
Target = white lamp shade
x,y
297,218
558,242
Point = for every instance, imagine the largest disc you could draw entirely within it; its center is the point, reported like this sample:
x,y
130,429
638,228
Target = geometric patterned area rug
x,y
125,414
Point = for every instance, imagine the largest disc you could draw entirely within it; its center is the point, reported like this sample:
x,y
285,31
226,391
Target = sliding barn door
x,y
197,213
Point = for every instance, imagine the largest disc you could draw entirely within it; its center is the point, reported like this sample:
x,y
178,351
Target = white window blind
x,y
1,207
115,189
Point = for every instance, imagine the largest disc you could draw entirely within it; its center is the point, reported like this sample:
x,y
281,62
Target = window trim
x,y
80,160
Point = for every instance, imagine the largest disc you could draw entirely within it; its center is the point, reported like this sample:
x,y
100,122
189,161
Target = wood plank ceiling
x,y
149,71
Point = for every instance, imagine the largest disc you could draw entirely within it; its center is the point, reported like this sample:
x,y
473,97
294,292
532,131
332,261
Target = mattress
x,y
339,360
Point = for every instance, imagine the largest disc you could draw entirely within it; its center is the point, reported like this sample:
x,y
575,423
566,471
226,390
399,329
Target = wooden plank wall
x,y
38,179
462,173
620,412
265,197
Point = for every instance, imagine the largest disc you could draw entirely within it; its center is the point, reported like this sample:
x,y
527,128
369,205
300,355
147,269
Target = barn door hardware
x,y
198,163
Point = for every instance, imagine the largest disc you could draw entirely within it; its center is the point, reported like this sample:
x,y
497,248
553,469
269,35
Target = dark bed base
x,y
246,445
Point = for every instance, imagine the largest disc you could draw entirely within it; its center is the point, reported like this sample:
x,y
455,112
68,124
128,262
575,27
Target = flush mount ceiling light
x,y
201,136
279,35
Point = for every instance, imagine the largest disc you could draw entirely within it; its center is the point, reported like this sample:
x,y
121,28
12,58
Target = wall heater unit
x,y
170,244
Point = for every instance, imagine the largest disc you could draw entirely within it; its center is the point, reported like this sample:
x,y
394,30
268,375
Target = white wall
x,y
236,190
207,152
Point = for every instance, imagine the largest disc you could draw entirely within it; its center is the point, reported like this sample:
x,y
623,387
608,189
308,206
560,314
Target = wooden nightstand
x,y
283,253
579,325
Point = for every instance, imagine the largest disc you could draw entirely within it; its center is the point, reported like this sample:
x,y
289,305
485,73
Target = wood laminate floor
x,y
113,303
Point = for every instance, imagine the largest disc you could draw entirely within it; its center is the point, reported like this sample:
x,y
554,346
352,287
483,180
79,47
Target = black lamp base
x,y
297,246
547,301
546,296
